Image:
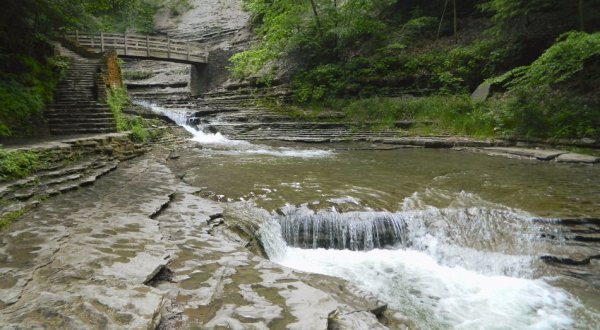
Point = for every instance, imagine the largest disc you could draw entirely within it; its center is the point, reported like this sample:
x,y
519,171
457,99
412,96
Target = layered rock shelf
x,y
71,163
139,249
561,156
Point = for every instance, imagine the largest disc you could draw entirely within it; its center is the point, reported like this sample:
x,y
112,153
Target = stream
x,y
448,239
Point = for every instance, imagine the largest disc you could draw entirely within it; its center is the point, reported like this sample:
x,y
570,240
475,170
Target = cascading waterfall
x,y
301,227
500,230
182,119
201,135
456,267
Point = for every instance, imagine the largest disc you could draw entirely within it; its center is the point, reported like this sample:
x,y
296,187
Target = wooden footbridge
x,y
147,47
144,47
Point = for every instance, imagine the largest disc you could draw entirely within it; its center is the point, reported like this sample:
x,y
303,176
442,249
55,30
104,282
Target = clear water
x,y
466,254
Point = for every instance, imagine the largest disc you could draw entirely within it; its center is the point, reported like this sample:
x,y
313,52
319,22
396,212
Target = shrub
x,y
25,91
559,63
117,99
547,98
138,131
546,113
18,164
455,114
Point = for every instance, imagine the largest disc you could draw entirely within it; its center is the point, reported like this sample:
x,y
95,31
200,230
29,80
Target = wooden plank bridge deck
x,y
145,47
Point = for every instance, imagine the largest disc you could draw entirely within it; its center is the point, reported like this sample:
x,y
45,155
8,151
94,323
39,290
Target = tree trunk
x,y
314,8
336,38
442,19
455,35
581,18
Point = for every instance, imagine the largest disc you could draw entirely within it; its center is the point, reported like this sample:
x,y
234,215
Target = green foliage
x,y
321,82
178,7
455,114
504,10
26,86
546,113
18,163
559,63
139,133
451,69
121,16
358,51
322,33
19,107
419,27
117,99
545,98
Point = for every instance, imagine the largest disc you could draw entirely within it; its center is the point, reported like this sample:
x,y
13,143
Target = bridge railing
x,y
136,45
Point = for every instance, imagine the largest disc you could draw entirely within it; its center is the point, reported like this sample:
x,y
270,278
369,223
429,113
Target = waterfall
x,y
202,135
455,267
481,228
303,228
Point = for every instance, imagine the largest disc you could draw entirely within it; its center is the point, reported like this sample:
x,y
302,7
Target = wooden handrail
x,y
144,45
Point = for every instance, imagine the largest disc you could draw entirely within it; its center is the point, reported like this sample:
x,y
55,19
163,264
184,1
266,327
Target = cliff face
x,y
219,22
222,25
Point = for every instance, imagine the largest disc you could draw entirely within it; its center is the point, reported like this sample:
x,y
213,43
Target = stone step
x,y
79,116
73,93
99,123
64,179
86,123
83,102
77,112
75,84
71,131
73,97
75,106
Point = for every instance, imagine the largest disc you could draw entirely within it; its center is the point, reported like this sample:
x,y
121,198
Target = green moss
x,y
9,217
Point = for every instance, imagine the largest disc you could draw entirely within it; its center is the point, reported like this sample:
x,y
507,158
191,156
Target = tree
x,y
581,17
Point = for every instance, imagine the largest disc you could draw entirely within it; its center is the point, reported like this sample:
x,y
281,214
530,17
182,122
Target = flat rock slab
x,y
540,154
85,260
81,260
577,158
68,141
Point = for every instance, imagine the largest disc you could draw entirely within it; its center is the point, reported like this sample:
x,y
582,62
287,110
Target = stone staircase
x,y
77,108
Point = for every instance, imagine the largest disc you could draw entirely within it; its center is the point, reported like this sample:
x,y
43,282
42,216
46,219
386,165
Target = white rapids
x,y
437,282
180,117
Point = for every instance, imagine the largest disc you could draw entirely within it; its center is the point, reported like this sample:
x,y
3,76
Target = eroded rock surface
x,y
139,250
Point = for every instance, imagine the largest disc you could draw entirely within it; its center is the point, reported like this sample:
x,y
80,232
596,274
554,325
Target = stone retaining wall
x,y
69,164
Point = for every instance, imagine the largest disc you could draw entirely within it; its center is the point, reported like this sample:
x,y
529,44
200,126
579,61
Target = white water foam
x,y
440,283
289,152
438,296
235,146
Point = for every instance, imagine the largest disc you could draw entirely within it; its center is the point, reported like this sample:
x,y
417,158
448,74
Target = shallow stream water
x,y
449,239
